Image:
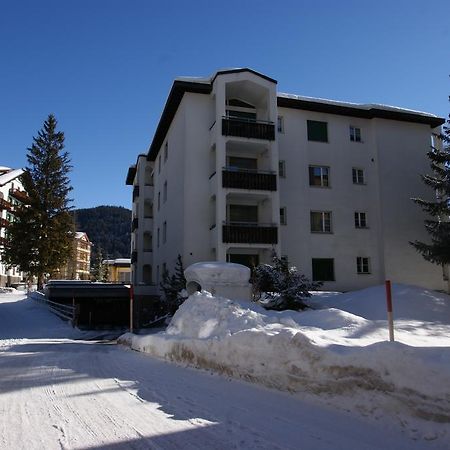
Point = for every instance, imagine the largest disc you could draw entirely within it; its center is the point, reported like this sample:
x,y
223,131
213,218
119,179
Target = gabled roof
x,y
182,85
10,176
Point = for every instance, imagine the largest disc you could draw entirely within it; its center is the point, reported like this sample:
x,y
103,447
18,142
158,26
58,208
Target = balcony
x,y
248,179
22,196
4,223
249,233
135,192
254,129
134,224
5,205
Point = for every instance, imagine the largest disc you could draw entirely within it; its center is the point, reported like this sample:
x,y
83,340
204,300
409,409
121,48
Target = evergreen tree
x,y
97,266
284,287
40,240
438,226
173,287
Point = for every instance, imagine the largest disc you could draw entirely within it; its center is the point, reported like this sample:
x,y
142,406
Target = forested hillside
x,y
108,228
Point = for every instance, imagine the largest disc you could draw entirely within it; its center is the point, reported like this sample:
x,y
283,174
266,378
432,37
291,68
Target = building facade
x,y
237,171
11,194
78,267
119,270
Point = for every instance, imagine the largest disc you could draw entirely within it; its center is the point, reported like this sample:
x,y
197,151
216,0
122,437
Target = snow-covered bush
x,y
283,287
174,287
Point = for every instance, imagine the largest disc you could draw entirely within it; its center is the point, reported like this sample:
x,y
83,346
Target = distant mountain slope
x,y
108,228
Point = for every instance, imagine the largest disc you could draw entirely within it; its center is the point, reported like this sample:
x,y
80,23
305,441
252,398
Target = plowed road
x,y
58,391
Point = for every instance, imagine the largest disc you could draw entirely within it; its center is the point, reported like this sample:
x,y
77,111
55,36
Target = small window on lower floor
x,y
362,264
323,269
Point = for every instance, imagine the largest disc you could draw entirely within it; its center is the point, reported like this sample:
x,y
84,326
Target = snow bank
x,y
409,302
321,351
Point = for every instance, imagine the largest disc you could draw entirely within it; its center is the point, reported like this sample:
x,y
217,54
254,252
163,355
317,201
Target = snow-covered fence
x,y
64,311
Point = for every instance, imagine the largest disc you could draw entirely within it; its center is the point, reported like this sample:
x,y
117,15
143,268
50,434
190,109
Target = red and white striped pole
x,y
389,310
131,307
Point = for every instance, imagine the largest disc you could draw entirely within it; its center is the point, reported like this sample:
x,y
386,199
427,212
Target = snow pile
x,y
329,351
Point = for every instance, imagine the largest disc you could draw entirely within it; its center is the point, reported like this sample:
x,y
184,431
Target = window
x,y
360,220
164,237
243,213
280,124
157,237
165,192
362,265
283,216
159,164
166,151
282,168
358,176
355,134
319,176
323,269
317,131
159,200
320,221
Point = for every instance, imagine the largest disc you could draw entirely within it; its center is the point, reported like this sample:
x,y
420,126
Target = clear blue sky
x,y
105,67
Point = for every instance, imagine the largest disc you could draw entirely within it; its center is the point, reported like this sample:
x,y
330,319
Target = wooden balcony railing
x,y
4,223
248,179
249,233
254,129
4,204
22,196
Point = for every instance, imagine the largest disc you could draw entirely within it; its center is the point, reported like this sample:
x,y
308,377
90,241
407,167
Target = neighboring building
x,y
119,270
11,195
78,267
236,171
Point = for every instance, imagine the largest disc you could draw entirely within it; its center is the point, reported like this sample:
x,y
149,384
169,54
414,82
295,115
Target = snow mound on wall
x,y
327,351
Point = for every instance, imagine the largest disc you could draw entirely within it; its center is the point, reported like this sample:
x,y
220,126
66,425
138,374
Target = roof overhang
x,y
362,111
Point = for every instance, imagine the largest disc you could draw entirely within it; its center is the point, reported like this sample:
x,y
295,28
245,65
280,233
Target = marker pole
x,y
389,310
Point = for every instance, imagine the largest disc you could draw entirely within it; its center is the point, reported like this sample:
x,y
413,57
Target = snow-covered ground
x,y
338,354
59,390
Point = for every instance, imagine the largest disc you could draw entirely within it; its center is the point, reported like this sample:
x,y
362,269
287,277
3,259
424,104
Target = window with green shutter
x,y
317,131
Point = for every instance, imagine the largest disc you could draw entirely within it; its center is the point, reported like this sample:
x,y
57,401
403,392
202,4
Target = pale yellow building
x,y
119,270
78,268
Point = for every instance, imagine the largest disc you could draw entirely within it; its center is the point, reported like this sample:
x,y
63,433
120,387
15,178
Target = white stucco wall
x,y
392,154
402,149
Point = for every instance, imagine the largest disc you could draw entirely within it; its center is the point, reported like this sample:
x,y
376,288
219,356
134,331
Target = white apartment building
x,y
236,171
11,194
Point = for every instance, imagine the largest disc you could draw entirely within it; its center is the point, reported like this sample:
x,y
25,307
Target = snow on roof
x,y
207,80
117,261
366,106
9,176
4,169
